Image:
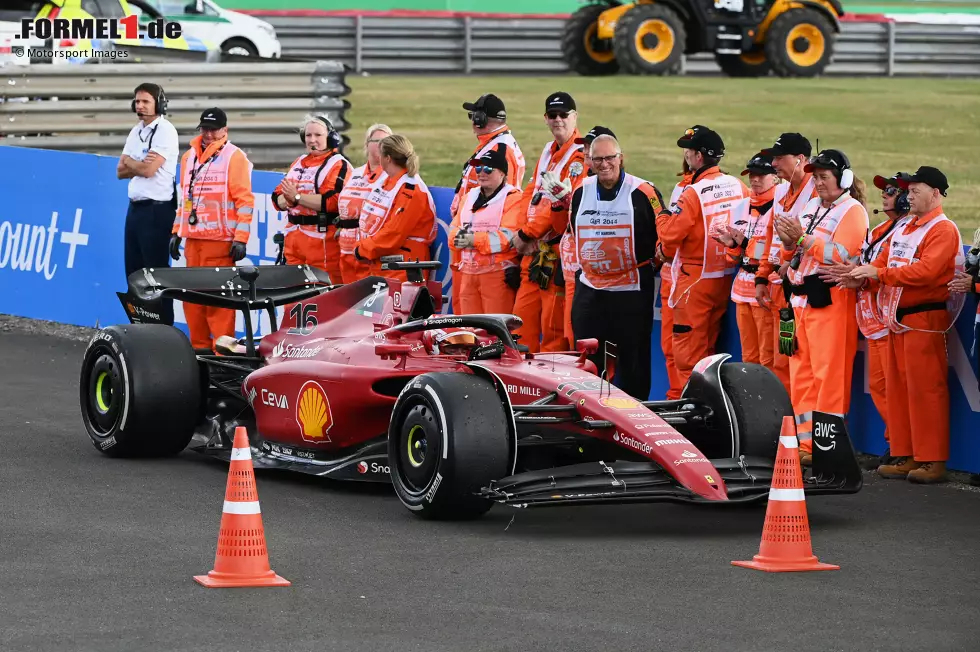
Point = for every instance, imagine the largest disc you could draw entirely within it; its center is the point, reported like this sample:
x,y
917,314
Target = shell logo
x,y
619,402
313,413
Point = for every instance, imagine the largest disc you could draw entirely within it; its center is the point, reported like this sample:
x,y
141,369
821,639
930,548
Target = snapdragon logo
x,y
31,247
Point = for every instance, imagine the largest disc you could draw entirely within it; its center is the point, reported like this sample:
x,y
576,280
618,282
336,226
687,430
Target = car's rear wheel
x,y
140,390
448,438
760,402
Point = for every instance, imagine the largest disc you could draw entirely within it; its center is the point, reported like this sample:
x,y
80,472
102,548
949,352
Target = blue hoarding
x,y
61,259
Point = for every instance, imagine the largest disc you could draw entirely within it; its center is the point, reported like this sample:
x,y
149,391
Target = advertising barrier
x,y
61,260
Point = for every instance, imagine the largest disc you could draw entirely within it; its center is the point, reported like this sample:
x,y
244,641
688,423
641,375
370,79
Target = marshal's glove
x,y
554,186
175,247
237,251
787,332
464,238
512,277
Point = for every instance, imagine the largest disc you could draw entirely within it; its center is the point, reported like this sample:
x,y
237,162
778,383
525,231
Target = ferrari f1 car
x,y
368,382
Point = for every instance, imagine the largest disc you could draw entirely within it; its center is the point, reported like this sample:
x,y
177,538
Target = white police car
x,y
235,32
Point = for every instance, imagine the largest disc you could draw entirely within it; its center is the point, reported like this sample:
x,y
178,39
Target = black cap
x,y
790,143
559,101
490,104
213,118
704,140
495,158
931,177
759,164
895,180
828,159
594,133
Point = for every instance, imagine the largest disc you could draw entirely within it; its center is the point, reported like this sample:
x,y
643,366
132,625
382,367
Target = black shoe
x,y
874,463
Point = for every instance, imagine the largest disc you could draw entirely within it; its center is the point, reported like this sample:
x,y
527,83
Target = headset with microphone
x,y
334,139
902,205
159,98
479,116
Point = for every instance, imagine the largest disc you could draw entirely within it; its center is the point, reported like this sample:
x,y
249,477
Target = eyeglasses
x,y
554,115
599,160
891,191
483,169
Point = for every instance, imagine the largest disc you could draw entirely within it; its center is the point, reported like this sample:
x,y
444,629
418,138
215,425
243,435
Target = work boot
x,y
899,470
928,473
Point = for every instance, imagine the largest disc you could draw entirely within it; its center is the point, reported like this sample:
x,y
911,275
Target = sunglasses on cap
x,y
554,115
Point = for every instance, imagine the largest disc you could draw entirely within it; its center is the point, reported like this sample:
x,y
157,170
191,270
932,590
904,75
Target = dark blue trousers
x,y
147,241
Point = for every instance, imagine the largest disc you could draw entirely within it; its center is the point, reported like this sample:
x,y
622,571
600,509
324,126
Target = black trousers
x,y
624,318
147,241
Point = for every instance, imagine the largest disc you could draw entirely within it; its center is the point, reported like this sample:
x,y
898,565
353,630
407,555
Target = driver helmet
x,y
441,342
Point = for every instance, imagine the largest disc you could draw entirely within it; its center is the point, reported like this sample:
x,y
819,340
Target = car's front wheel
x,y
448,438
140,390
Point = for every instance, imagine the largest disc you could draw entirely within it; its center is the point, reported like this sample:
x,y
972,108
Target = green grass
x,y
883,125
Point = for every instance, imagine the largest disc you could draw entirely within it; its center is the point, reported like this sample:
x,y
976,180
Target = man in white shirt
x,y
149,161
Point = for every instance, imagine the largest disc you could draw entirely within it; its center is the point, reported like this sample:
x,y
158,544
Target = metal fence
x,y
471,45
87,108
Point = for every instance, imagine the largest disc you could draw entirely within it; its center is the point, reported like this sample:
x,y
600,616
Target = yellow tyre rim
x,y
654,41
590,40
805,45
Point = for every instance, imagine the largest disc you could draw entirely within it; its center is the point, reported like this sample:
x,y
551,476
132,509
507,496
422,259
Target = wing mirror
x,y
391,350
587,347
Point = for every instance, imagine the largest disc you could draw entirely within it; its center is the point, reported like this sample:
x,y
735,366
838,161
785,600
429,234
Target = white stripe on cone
x,y
249,507
785,495
788,442
240,454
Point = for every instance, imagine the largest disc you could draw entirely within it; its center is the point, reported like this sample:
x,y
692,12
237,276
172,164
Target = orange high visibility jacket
x,y
759,234
353,194
869,319
546,219
684,228
836,235
516,167
668,251
320,173
925,278
398,210
493,224
216,186
787,203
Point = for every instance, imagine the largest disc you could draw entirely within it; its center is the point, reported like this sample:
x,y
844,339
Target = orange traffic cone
x,y
785,542
242,558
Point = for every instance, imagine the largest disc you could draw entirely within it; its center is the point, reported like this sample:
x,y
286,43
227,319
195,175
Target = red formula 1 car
x,y
368,382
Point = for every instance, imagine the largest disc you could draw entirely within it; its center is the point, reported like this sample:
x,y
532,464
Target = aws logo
x,y
313,413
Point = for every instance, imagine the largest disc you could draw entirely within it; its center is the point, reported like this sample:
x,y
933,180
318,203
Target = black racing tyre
x,y
748,64
448,438
584,52
760,402
649,40
239,47
800,43
140,390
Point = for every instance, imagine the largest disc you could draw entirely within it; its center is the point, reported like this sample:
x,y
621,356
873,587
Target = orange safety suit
x,y
786,203
216,185
543,310
493,221
871,323
516,167
675,385
754,321
914,268
353,194
700,268
398,217
822,367
311,234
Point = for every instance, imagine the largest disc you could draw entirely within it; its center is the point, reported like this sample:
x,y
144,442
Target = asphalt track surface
x,y
99,554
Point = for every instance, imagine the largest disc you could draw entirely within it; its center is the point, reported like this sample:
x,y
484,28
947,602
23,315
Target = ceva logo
x,y
30,247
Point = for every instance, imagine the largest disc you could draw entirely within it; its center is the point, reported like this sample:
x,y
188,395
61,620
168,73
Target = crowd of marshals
x,y
574,251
